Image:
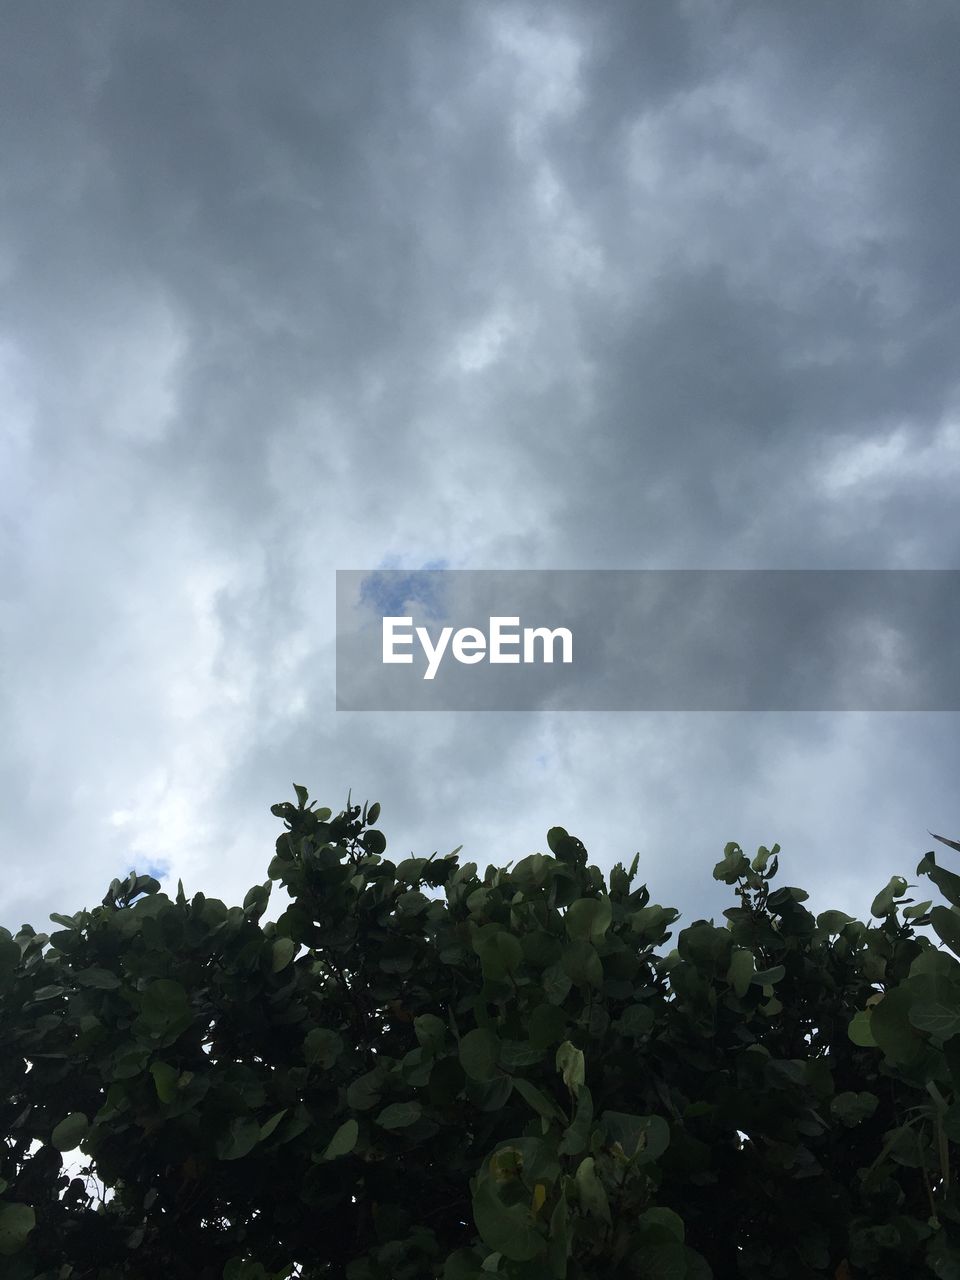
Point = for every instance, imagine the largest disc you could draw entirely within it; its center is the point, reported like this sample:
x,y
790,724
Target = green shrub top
x,y
416,1071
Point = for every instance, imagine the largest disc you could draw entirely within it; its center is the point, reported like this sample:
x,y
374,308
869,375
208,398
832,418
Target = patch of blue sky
x,y
156,869
391,591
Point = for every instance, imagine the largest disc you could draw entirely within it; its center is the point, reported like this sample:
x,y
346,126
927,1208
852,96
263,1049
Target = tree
x,y
416,1072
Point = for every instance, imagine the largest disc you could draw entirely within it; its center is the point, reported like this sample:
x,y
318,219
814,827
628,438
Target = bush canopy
x,y
416,1071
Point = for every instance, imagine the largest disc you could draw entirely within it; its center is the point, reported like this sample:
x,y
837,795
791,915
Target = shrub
x,y
418,1072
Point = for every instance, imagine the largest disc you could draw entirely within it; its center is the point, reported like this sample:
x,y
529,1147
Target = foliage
x,y
418,1072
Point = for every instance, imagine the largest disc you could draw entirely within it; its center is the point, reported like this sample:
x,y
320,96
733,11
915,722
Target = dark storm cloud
x,y
780,217
344,285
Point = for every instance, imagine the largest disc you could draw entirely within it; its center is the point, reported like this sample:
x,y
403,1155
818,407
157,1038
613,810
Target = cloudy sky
x,y
298,288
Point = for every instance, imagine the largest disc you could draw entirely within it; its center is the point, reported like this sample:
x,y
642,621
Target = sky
x,y
299,288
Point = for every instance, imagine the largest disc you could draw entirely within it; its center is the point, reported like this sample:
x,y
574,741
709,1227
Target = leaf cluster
x,y
419,1071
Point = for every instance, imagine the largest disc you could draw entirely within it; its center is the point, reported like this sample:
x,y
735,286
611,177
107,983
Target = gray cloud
x,y
600,286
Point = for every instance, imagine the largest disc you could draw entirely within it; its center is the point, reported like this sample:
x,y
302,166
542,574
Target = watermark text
x,y
470,645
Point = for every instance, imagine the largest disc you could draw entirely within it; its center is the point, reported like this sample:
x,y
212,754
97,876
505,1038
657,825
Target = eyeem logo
x,y
470,645
648,640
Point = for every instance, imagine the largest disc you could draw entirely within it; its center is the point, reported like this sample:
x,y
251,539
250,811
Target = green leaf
x,y
652,922
531,1158
240,1139
946,924
302,795
543,1105
741,971
70,1132
555,838
101,978
642,1139
164,1008
165,1080
47,992
593,1197
588,918
400,1115
506,1164
374,841
946,881
9,954
662,1220
431,1032
558,1248
706,946
786,896
499,951
322,1047
933,962
509,1230
343,1141
883,903
490,1095
533,872
859,1030
267,1128
577,1134
833,922
571,1066
935,1007
16,1223
918,909
568,849
364,1092
581,963
557,983
284,949
480,1053
764,854
892,1029
636,1021
851,1108
129,1061
768,977
519,1053
733,865
256,899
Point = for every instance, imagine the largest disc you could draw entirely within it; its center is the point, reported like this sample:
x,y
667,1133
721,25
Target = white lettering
x,y
434,655
470,645
544,633
390,640
469,638
498,638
